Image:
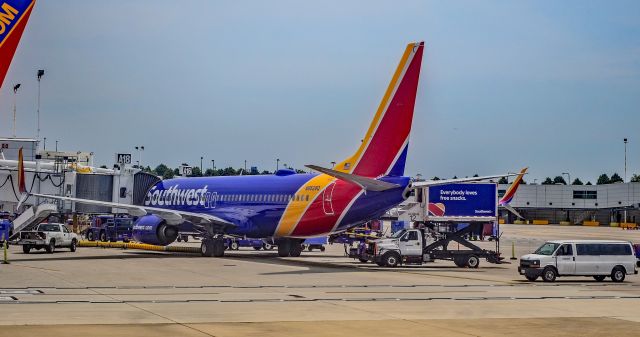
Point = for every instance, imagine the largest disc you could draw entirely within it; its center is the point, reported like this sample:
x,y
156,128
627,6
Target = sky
x,y
552,85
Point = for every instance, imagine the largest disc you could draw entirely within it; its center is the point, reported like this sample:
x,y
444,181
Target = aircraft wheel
x,y
234,245
26,249
296,250
218,248
284,248
206,248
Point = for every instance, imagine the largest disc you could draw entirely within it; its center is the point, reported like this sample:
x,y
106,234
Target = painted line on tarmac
x,y
13,300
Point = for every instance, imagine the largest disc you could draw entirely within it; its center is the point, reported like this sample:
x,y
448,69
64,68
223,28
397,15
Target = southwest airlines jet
x,y
287,207
14,15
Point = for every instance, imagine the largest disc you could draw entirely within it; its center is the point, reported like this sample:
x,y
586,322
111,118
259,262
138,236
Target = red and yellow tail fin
x,y
383,150
511,191
21,185
14,15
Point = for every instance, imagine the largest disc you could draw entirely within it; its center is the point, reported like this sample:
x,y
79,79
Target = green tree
x,y
603,179
161,169
635,178
588,183
577,181
195,172
435,178
503,180
615,178
168,174
547,181
265,172
559,180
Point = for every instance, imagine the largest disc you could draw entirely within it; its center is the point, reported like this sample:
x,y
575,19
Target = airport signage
x,y
463,200
186,170
123,158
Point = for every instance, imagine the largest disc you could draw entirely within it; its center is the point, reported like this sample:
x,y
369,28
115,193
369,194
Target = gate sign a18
x,y
123,158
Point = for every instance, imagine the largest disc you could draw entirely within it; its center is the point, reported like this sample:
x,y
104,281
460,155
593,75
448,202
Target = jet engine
x,y
152,229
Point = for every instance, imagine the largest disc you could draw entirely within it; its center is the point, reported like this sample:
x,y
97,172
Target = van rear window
x,y
603,249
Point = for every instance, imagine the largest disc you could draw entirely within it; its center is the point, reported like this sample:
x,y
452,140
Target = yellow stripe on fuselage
x,y
351,161
296,209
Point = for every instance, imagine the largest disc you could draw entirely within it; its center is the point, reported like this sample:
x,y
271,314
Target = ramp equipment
x,y
31,217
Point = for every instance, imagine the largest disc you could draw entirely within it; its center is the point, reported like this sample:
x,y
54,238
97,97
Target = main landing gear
x,y
290,247
212,246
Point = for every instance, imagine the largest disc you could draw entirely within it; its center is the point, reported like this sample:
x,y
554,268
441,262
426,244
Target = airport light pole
x,y
15,93
277,164
333,164
45,143
245,166
40,74
56,145
213,164
201,157
568,178
625,159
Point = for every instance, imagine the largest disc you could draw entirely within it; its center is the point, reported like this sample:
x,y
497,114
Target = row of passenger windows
x,y
585,194
281,198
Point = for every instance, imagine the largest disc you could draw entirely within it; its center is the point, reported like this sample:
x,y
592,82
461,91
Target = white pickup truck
x,y
48,236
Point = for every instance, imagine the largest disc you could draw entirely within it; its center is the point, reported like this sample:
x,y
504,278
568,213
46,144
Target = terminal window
x,y
585,195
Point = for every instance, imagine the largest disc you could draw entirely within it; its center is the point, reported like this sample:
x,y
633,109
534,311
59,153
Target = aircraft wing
x,y
173,217
459,180
365,183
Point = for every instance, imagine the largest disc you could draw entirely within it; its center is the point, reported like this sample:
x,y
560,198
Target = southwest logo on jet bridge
x,y
175,196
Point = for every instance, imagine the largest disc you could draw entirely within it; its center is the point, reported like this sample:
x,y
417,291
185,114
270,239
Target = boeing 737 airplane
x,y
287,207
14,15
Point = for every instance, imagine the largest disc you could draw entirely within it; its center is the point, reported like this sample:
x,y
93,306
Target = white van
x,y
597,258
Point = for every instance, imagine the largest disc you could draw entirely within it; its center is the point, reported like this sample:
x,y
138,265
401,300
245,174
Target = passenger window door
x,y
565,261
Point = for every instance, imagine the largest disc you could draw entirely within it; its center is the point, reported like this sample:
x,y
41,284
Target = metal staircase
x,y
31,217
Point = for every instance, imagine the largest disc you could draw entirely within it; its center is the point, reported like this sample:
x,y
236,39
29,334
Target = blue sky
x,y
553,85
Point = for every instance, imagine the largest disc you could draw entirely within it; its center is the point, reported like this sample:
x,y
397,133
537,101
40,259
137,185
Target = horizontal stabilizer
x,y
365,183
512,210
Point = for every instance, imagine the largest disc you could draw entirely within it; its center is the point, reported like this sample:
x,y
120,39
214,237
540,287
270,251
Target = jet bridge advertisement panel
x,y
477,200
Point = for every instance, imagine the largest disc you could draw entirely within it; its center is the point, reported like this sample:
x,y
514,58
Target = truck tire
x,y
363,260
51,247
256,248
74,245
531,278
618,274
459,261
472,261
103,236
26,249
322,249
391,259
549,274
90,236
599,278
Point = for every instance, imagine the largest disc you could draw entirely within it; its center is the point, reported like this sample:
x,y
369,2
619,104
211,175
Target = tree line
x,y
166,172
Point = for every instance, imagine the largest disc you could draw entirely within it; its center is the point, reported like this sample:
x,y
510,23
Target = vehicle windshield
x,y
398,233
547,249
49,228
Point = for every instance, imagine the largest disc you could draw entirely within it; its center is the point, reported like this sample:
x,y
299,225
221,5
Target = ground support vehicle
x,y
315,243
6,227
421,245
48,236
592,258
232,243
109,228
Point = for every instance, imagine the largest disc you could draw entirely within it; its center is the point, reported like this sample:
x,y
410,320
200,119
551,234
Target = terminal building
x,y
609,204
